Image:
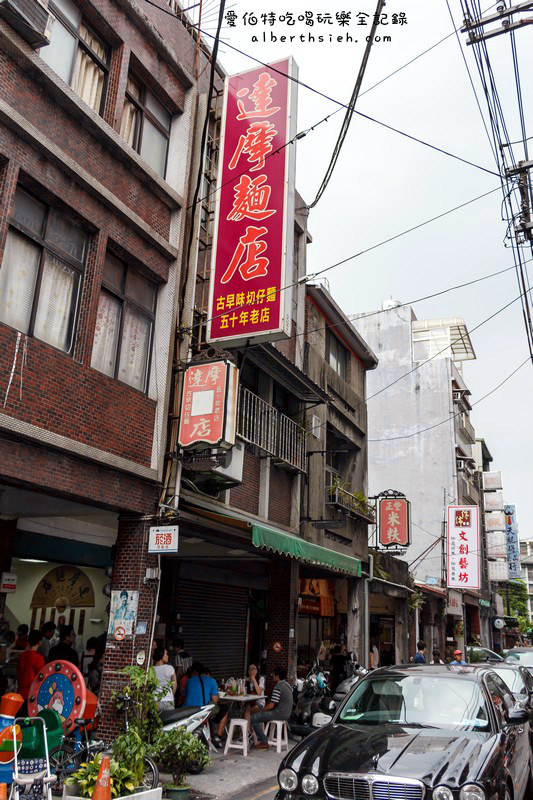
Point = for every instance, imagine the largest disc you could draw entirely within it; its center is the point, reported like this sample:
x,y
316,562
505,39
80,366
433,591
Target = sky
x,y
385,183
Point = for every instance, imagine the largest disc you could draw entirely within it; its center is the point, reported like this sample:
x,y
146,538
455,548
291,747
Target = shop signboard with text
x,y
394,522
163,539
463,547
251,267
209,405
513,547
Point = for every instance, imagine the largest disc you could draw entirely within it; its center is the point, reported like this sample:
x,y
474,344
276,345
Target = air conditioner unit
x,y
233,469
461,464
30,19
316,426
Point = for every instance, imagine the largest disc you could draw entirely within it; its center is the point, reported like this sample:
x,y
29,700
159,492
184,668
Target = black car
x,y
520,682
417,732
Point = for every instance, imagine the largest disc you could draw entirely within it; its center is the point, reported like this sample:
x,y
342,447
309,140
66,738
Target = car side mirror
x,y
328,706
517,715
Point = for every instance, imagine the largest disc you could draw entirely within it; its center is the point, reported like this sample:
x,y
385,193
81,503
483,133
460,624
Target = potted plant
x,y
179,753
82,782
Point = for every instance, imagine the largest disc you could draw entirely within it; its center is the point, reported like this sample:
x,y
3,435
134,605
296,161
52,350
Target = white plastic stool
x,y
278,734
234,726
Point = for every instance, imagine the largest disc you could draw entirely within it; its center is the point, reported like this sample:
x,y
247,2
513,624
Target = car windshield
x,y
520,658
513,679
440,701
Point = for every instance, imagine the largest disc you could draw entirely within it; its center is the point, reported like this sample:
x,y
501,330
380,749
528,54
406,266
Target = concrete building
x,y
526,564
421,443
97,136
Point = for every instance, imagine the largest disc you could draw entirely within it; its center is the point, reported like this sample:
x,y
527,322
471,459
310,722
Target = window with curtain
x,y
76,54
124,324
41,271
146,125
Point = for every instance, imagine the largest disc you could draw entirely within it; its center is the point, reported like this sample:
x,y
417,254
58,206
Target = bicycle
x,y
68,757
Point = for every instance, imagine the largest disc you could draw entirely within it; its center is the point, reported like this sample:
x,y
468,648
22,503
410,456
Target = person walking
x,y
338,668
279,707
166,676
63,650
29,664
436,657
458,659
47,630
420,657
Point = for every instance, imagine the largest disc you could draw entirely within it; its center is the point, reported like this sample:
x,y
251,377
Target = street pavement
x,y
234,777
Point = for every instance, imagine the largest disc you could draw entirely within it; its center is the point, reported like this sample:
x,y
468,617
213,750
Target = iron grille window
x,y
146,125
41,271
77,54
124,325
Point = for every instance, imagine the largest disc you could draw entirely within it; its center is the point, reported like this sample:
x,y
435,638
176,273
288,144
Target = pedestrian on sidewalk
x,y
30,663
166,677
47,630
458,659
420,657
279,707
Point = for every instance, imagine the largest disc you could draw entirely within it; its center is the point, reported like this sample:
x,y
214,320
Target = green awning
x,y
283,543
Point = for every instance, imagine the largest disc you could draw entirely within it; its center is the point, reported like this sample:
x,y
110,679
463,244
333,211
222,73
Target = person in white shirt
x,y
166,675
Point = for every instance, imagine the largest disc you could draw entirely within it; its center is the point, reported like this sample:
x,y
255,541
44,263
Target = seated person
x,y
255,684
279,707
200,689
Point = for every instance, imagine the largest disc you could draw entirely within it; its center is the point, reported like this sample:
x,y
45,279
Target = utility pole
x,y
475,27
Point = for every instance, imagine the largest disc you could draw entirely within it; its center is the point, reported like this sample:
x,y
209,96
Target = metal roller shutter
x,y
214,618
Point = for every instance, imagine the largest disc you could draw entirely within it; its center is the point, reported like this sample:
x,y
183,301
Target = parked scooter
x,y
307,696
195,719
328,705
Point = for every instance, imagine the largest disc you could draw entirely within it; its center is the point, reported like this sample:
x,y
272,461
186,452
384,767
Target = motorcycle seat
x,y
175,714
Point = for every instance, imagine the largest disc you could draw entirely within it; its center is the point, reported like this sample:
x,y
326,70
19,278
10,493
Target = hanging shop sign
x,y
494,521
394,522
496,544
498,570
209,405
455,604
122,613
513,546
492,481
493,501
8,582
64,587
163,539
251,266
463,547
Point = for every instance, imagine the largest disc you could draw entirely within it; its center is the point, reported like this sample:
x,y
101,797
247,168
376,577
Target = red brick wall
x,y
280,496
246,496
281,606
32,466
129,569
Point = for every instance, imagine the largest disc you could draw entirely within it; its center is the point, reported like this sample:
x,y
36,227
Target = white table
x,y
240,698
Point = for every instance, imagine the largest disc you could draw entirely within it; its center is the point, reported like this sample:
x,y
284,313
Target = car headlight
x,y
288,780
309,784
472,792
442,793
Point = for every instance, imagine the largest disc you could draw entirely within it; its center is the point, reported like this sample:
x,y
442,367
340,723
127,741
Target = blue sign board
x,y
513,547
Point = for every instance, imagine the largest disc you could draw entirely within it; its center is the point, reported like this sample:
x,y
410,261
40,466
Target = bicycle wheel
x,y
151,774
63,763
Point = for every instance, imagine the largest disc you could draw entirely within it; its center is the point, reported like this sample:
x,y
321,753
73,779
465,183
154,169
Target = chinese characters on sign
x,y
463,547
209,405
163,539
253,235
513,547
341,19
394,522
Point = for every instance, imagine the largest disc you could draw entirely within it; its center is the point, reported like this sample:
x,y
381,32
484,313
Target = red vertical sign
x,y
208,405
393,522
252,243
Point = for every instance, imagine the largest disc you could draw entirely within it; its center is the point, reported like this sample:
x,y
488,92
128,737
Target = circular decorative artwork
x,y
59,686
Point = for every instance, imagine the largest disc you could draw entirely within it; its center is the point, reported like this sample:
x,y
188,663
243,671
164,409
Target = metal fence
x,y
263,425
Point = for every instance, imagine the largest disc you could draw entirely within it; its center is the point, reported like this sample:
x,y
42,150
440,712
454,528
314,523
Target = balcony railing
x,y
466,428
348,503
271,431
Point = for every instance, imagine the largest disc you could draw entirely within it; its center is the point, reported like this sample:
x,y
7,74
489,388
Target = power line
x,y
444,421
351,107
332,99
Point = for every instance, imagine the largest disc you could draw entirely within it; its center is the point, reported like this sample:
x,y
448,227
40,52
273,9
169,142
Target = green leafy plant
x,y
180,752
144,693
121,779
129,751
354,501
416,601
